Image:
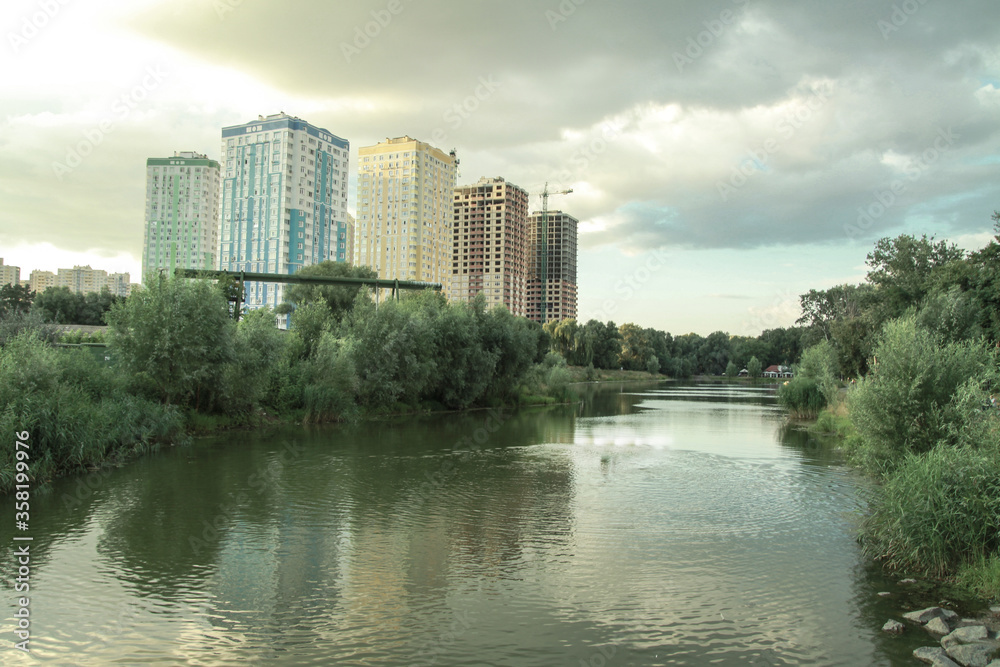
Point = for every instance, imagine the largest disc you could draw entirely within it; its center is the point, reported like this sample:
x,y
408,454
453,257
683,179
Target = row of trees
x,y
632,347
951,292
922,334
180,360
344,351
57,305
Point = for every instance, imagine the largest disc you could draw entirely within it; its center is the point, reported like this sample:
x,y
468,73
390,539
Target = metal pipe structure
x,y
242,276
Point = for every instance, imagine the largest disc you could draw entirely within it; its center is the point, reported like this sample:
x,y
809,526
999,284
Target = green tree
x,y
330,382
60,305
514,341
819,364
602,344
754,367
457,345
713,353
564,340
951,314
636,347
783,345
175,336
653,365
902,270
984,286
684,361
732,370
338,298
390,348
253,378
311,320
15,299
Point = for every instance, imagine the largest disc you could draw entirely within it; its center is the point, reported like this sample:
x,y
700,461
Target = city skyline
x,y
724,157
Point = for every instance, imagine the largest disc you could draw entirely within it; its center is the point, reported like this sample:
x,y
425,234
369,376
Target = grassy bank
x,y
77,412
579,374
181,366
923,426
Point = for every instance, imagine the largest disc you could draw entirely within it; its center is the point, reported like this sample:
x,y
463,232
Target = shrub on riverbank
x,y
920,392
938,511
802,397
77,412
982,577
173,338
181,363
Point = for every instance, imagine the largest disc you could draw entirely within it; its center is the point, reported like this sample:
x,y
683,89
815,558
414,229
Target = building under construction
x,y
552,292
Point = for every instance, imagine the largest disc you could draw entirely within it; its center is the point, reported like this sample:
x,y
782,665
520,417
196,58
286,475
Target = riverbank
x,y
919,494
580,374
475,517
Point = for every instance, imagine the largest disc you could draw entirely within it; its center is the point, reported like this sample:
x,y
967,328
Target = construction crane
x,y
545,245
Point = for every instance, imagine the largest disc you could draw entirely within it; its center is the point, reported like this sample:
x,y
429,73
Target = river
x,y
673,524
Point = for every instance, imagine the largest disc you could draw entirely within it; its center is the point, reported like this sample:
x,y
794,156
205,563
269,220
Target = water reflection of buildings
x,y
343,545
474,523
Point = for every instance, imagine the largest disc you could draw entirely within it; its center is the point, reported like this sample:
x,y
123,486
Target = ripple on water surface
x,y
682,531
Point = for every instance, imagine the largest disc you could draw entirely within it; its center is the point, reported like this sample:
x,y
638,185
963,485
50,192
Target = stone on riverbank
x,y
884,594
937,626
922,616
972,655
907,581
935,656
967,635
893,627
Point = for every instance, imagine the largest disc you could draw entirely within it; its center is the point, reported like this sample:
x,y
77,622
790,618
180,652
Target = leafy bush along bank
x,y
182,363
921,417
78,412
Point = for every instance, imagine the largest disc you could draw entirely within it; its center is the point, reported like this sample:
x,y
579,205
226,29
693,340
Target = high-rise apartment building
x,y
182,213
352,226
284,200
489,247
552,267
405,190
9,275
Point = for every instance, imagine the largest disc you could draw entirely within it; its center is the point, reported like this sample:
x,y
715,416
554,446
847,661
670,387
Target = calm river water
x,y
668,525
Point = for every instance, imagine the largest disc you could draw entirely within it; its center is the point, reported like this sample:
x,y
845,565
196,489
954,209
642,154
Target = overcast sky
x,y
725,156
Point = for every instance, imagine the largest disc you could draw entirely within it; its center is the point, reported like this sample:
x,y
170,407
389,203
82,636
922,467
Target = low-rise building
x,y
39,281
9,275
